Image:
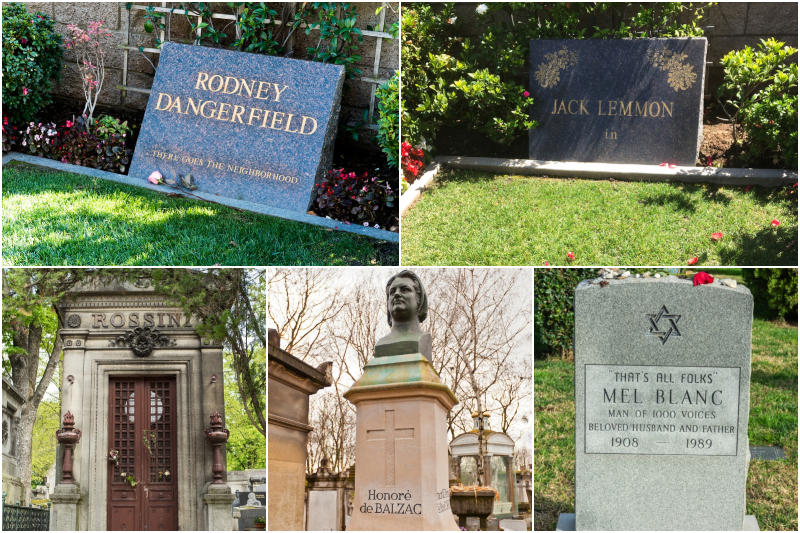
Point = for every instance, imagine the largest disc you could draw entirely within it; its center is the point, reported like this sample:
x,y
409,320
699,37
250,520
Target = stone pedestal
x,y
64,509
401,447
218,499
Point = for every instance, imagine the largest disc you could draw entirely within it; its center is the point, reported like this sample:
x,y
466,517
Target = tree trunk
x,y
24,369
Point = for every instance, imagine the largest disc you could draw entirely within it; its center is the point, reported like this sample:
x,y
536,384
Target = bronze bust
x,y
406,308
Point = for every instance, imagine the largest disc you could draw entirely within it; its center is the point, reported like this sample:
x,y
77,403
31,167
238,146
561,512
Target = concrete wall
x,y
736,25
140,72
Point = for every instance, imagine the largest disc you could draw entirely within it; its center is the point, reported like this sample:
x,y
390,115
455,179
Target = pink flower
x,y
155,177
69,124
716,236
776,222
526,94
5,121
23,41
708,160
571,256
692,261
24,91
747,189
702,278
547,263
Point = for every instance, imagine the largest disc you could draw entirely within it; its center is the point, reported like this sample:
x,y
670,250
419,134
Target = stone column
x,y
219,515
401,446
64,509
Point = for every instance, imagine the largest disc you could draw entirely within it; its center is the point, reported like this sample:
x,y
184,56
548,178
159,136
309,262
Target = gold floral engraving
x,y
549,74
681,75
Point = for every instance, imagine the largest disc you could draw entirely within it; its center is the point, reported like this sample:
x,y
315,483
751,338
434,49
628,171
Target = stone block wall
x,y
141,72
736,25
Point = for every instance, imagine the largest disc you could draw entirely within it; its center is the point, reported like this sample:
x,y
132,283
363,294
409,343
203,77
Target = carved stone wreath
x,y
73,321
143,341
5,432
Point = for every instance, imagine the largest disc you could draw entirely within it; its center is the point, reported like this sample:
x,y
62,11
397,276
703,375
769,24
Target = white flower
x,y
377,226
37,137
481,9
366,224
24,143
452,20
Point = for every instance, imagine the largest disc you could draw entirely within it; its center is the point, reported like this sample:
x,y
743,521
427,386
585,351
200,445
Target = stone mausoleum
x,y
139,390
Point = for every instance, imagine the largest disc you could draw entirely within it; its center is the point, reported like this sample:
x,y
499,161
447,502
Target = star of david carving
x,y
673,325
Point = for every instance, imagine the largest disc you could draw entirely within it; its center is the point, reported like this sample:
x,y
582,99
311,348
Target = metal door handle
x,y
160,495
124,494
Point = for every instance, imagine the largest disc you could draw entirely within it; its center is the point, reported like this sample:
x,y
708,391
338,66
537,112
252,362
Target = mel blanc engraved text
x,y
661,410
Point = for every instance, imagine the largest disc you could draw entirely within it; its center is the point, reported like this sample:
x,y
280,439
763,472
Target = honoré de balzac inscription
x,y
661,410
390,503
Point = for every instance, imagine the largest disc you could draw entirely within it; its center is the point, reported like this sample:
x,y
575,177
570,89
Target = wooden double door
x,y
142,480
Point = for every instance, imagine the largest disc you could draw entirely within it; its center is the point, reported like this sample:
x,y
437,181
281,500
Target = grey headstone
x,y
276,134
617,101
662,397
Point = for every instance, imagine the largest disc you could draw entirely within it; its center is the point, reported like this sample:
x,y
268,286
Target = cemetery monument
x,y
662,398
401,427
618,100
245,126
139,387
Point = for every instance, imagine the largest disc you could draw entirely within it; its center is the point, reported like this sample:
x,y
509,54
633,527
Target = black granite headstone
x,y
617,101
244,496
245,126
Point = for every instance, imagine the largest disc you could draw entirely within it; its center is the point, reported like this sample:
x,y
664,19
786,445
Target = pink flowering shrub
x,y
89,56
365,199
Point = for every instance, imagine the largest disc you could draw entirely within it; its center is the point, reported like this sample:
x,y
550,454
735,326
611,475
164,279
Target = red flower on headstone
x,y
702,278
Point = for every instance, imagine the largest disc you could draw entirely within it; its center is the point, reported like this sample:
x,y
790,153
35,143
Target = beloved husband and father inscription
x,y
662,398
617,101
245,126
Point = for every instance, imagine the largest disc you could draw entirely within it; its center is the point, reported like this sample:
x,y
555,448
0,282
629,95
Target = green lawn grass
x,y
476,218
58,218
771,485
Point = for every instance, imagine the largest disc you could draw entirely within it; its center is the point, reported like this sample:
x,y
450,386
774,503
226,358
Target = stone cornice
x,y
288,423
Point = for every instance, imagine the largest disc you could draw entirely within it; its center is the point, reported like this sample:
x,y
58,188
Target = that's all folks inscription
x,y
661,410
390,435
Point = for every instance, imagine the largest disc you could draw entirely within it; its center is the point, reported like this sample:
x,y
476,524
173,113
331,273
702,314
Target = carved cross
x,y
390,434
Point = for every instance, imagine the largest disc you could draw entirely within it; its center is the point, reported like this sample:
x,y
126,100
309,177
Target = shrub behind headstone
x,y
773,288
554,317
31,58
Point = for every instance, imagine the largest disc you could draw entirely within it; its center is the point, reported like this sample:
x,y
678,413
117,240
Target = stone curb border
x,y
414,190
602,171
623,172
229,202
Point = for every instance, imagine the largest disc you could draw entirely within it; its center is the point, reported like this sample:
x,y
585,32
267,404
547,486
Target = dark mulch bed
x,y
718,143
347,153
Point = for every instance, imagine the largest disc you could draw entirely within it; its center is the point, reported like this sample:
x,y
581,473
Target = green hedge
x,y
774,289
554,317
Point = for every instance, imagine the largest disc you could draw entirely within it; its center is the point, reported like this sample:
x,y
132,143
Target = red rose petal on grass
x,y
693,260
701,278
776,222
571,256
716,236
547,263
